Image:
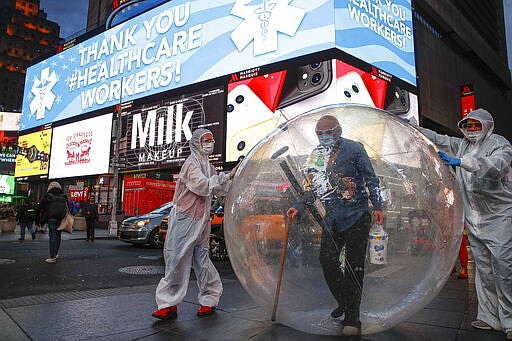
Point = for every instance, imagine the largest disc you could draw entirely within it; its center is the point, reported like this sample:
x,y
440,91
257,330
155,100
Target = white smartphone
x,y
248,120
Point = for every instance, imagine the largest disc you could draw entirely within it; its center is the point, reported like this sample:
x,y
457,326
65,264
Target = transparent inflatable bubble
x,y
423,224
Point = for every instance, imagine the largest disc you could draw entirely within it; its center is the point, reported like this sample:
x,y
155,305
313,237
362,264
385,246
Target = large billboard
x,y
155,134
33,154
379,33
257,105
81,148
183,42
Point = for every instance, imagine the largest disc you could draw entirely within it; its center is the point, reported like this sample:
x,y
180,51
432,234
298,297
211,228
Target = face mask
x,y
473,136
326,140
208,148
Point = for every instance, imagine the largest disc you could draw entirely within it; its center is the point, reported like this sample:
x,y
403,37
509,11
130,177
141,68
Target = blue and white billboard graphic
x,y
380,32
184,42
173,45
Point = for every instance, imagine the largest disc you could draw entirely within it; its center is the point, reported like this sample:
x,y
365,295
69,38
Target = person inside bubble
x,y
483,171
187,244
339,173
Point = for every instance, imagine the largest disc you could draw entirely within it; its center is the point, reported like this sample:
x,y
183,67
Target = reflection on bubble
x,y
423,221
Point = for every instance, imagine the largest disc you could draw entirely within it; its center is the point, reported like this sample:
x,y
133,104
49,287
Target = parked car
x,y
217,244
144,229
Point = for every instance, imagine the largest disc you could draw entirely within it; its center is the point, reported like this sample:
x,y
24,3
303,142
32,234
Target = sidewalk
x,y
124,313
13,236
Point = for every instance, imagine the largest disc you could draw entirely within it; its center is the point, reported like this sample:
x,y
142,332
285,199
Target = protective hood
x,y
195,143
484,117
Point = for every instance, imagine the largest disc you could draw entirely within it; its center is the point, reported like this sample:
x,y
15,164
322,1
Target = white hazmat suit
x,y
187,241
486,188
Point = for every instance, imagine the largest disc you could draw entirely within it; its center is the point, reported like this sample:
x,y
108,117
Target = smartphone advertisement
x,y
81,148
8,145
33,154
155,134
259,104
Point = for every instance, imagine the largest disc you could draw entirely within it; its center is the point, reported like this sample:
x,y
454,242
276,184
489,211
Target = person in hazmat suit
x,y
482,162
187,242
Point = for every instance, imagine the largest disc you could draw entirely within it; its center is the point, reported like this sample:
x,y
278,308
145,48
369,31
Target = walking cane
x,y
281,266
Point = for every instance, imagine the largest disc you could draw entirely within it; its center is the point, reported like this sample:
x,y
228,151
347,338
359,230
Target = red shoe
x,y
463,273
205,310
454,270
166,313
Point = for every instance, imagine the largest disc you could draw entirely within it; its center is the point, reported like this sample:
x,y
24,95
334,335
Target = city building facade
x,y
25,33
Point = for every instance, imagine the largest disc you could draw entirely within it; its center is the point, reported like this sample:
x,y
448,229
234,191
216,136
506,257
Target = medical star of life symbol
x,y
42,90
263,20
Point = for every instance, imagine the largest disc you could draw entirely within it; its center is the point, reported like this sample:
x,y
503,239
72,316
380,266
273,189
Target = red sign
x,y
467,99
79,195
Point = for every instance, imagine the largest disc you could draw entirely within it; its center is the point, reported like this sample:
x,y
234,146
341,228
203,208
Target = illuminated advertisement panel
x,y
379,33
173,45
81,148
156,134
8,143
33,153
259,104
7,184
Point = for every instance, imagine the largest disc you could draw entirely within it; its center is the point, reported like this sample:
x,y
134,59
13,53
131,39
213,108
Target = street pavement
x,y
111,300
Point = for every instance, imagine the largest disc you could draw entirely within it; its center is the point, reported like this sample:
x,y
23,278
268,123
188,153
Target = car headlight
x,y
142,223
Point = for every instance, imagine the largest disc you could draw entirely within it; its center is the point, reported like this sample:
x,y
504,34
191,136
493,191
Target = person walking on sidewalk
x,y
26,217
187,244
52,209
90,212
482,166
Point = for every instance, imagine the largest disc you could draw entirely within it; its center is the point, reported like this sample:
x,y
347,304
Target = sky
x,y
71,15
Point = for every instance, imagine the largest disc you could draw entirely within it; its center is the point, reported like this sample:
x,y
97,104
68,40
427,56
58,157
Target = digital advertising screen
x,y
259,104
7,184
81,148
379,33
33,153
8,144
176,44
156,134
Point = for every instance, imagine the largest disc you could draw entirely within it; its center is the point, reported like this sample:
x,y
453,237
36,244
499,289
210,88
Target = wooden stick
x,y
281,267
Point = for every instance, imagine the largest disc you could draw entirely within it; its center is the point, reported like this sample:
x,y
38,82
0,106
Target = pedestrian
x,y
187,244
26,217
482,166
52,209
340,174
90,212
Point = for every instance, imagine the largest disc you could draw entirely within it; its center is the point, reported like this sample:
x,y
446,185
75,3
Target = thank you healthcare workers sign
x,y
184,42
380,32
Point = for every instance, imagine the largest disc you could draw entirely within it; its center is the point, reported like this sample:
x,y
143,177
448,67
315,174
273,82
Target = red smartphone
x,y
267,87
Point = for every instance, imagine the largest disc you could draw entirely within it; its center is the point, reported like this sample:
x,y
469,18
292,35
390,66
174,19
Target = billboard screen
x,y
33,153
8,142
81,148
257,105
6,184
379,33
173,45
156,134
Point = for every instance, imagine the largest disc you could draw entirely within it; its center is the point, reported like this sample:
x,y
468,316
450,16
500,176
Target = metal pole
x,y
117,121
